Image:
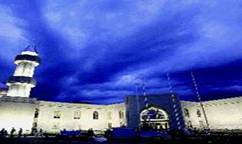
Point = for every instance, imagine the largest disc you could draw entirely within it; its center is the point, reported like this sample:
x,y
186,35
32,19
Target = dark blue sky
x,y
97,50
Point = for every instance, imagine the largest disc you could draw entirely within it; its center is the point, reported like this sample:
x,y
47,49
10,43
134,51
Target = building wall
x,y
108,115
221,114
17,112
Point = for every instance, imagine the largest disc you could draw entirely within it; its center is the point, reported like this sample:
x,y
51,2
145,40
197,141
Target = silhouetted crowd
x,y
14,133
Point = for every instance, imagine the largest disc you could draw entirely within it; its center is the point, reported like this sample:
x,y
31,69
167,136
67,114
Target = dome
x,y
31,48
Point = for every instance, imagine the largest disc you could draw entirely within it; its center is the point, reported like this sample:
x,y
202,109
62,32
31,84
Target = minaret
x,y
22,81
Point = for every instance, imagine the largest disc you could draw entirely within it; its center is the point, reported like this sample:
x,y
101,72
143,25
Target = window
x,y
155,117
77,114
36,113
153,113
199,113
57,114
186,113
121,114
95,115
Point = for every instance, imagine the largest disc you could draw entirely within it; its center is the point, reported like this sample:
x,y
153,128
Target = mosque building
x,y
165,111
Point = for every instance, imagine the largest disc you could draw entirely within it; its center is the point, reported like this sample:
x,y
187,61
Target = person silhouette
x,y
12,132
41,132
20,132
2,132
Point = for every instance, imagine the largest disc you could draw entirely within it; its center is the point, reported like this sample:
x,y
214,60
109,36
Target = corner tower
x,y
21,83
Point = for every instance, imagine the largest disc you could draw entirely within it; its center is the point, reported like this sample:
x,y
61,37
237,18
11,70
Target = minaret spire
x,y
22,81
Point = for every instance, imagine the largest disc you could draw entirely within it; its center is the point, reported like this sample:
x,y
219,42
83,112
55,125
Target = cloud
x,y
98,50
10,33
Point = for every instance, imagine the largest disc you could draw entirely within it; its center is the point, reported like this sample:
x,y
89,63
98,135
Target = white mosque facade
x,y
18,110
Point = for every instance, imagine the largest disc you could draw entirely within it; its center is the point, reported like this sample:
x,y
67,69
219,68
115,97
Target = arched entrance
x,y
155,118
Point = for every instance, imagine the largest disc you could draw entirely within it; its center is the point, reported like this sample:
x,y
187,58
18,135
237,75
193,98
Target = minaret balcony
x,y
25,57
22,79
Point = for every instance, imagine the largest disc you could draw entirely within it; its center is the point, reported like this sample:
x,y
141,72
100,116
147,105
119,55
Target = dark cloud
x,y
97,51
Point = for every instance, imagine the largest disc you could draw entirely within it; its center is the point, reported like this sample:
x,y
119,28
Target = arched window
x,y
153,113
186,113
154,117
95,115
